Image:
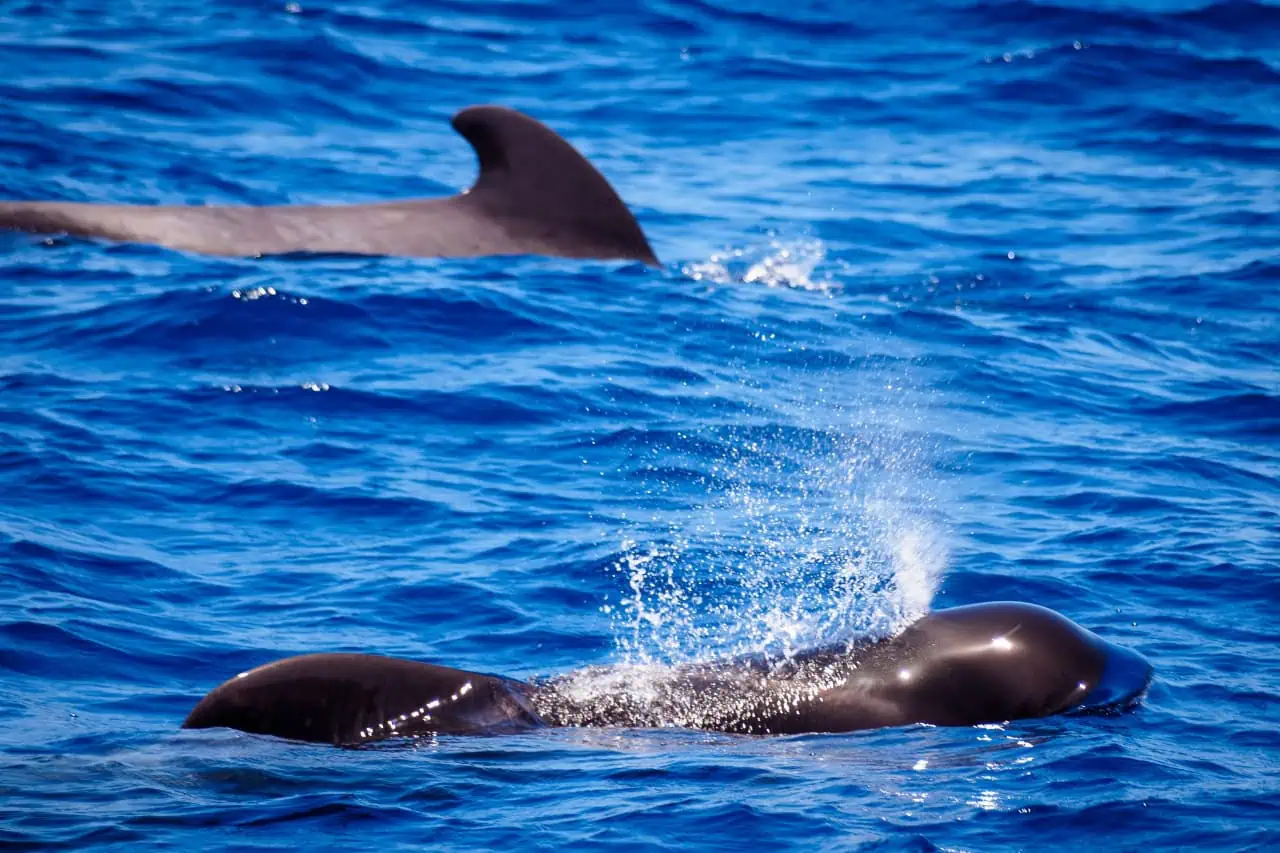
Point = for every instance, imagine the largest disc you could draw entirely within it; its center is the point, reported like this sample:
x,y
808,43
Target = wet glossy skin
x,y
963,666
351,699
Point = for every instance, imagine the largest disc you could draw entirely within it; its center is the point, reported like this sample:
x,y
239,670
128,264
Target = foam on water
x,y
779,263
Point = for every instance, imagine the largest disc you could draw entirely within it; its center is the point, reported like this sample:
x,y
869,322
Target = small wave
x,y
1253,414
1040,17
491,406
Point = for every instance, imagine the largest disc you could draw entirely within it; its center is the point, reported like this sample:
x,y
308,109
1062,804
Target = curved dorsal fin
x,y
538,183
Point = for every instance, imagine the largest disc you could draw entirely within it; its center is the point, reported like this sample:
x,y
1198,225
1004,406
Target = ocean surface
x,y
960,301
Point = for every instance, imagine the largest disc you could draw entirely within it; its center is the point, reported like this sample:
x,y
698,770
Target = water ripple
x,y
962,301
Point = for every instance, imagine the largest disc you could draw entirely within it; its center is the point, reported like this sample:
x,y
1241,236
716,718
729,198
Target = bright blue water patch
x,y
962,301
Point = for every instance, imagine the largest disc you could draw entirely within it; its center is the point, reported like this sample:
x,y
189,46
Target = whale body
x,y
983,663
535,195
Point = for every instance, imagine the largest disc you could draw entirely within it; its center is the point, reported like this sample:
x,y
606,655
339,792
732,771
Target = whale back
x,y
349,699
984,663
534,195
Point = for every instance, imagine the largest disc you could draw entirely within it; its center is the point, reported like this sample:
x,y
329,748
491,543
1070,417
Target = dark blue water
x,y
961,301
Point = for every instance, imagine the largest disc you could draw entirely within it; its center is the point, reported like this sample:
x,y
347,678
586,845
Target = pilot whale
x,y
535,195
983,663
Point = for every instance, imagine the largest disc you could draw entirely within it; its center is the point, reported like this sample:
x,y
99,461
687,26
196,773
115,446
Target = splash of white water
x,y
810,544
783,263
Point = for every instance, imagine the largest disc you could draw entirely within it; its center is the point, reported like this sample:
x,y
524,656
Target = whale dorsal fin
x,y
535,195
538,185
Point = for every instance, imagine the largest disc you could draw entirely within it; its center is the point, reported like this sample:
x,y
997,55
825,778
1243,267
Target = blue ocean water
x,y
961,301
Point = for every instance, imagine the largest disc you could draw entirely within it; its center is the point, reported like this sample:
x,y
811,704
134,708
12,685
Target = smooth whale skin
x,y
535,195
347,699
982,663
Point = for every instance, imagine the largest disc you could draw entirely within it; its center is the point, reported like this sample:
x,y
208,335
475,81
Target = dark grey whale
x,y
981,663
535,195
